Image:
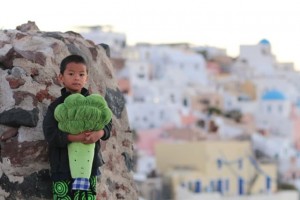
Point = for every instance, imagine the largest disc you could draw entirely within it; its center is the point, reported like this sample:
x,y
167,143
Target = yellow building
x,y
227,167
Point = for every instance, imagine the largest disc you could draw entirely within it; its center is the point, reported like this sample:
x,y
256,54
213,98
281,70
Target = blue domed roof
x,y
264,41
273,95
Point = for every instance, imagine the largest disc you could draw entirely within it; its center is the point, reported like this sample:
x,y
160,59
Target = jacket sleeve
x,y
107,129
52,134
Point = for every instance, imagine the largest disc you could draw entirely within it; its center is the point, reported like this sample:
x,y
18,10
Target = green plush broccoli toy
x,y
79,114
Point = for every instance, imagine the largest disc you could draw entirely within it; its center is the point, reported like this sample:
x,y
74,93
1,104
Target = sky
x,y
224,24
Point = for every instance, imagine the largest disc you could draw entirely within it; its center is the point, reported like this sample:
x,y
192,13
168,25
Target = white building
x,y
278,83
239,102
184,194
277,148
273,114
259,57
105,35
148,115
159,77
182,66
210,52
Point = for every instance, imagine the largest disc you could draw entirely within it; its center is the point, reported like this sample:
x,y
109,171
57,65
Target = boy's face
x,y
74,77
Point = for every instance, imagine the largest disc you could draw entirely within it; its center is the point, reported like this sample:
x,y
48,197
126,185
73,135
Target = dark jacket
x,y
58,142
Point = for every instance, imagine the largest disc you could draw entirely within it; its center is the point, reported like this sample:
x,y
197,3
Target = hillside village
x,y
207,123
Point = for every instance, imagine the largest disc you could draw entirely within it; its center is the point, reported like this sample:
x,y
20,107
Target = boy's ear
x,y
59,78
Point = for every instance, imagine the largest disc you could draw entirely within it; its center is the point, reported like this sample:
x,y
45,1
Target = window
x,y
116,41
280,108
219,163
240,164
191,185
185,102
227,185
138,99
145,119
264,51
181,66
162,114
147,55
244,61
172,97
212,186
198,186
220,186
228,104
269,109
204,101
123,44
141,76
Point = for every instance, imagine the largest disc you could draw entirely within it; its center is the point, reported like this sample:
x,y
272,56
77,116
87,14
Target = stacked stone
x,y
29,66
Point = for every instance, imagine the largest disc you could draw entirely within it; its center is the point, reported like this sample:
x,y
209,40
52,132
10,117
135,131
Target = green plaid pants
x,y
62,190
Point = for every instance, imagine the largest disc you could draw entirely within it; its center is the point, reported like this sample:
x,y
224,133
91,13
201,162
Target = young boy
x,y
73,75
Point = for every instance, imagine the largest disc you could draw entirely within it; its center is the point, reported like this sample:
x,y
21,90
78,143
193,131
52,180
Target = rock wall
x,y
29,65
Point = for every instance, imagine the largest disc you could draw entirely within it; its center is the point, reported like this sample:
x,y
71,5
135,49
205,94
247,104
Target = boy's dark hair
x,y
70,59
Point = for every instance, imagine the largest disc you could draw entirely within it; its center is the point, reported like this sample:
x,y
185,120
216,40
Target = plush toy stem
x,y
81,159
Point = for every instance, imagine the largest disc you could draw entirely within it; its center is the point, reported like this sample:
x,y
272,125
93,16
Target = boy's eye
x,y
71,74
82,74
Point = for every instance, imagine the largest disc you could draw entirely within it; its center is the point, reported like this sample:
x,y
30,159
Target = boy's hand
x,y
93,136
77,138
